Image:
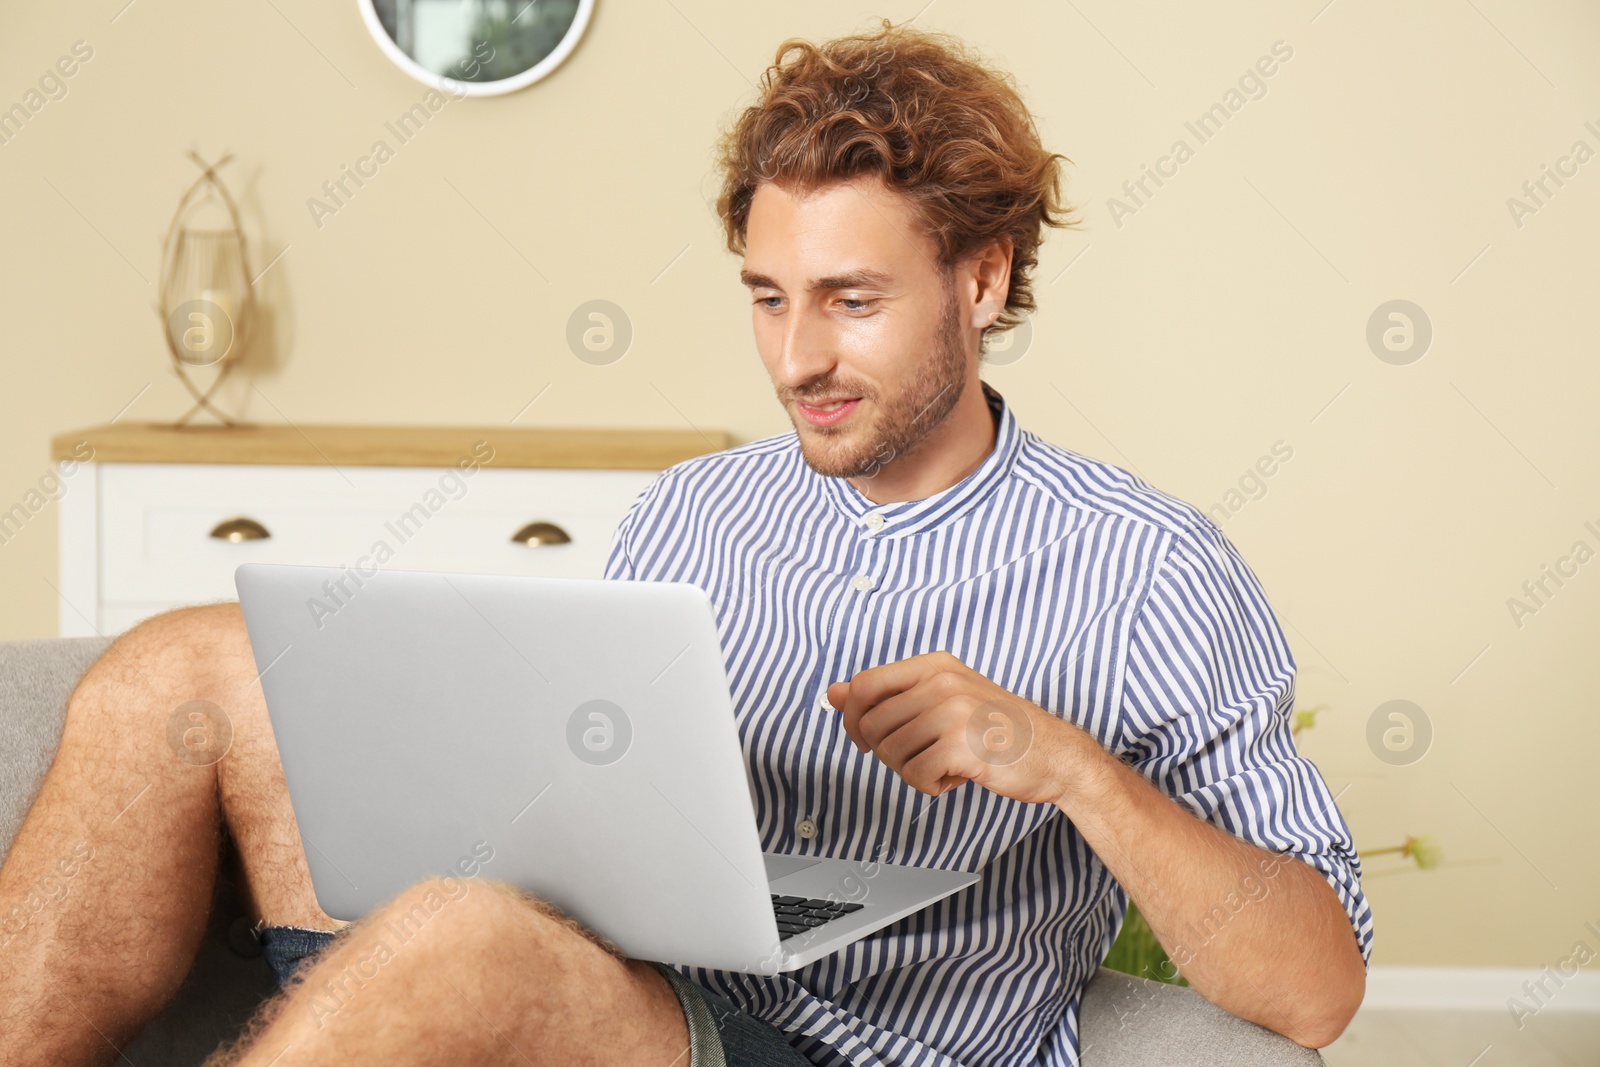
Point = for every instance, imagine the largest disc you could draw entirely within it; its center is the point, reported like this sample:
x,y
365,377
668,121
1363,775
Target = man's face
x,y
855,321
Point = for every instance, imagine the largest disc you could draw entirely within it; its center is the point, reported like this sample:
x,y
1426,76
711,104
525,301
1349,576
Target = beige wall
x,y
1221,317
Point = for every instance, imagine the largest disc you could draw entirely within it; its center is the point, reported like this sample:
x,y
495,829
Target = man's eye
x,y
771,302
854,304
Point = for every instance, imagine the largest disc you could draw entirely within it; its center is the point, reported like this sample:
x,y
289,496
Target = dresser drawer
x,y
156,523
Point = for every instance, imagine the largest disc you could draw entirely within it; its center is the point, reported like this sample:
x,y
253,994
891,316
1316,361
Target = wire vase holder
x,y
207,301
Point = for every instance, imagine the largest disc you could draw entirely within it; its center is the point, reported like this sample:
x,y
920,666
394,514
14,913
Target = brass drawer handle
x,y
237,530
541,533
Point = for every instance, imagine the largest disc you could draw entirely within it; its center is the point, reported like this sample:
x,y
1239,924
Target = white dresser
x,y
159,517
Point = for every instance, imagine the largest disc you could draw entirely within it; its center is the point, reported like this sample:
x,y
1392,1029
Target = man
x,y
949,643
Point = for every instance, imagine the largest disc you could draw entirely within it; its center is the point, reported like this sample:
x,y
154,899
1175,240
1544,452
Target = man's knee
x,y
470,915
184,680
187,636
195,652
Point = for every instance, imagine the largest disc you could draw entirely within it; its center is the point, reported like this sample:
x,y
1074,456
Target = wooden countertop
x,y
386,446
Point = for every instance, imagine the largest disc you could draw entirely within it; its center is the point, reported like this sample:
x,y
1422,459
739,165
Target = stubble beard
x,y
904,420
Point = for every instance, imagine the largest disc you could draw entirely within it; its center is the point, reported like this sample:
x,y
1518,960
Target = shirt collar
x,y
912,516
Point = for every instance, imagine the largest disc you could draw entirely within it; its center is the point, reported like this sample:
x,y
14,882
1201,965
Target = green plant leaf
x,y
1136,951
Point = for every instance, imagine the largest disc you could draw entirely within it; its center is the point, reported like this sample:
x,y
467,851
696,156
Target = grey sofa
x,y
1126,1021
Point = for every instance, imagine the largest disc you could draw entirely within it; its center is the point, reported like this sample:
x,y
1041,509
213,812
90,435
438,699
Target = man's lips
x,y
829,413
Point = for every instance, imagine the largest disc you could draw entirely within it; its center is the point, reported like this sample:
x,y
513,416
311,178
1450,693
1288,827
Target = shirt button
x,y
823,703
862,582
806,829
875,521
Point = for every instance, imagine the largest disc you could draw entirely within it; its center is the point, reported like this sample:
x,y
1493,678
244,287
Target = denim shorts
x,y
720,1035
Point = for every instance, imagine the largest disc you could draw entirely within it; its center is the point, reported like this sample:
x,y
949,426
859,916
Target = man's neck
x,y
954,449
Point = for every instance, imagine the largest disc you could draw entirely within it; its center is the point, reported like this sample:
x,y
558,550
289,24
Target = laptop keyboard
x,y
796,915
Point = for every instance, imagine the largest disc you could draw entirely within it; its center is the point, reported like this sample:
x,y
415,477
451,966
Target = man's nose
x,y
804,351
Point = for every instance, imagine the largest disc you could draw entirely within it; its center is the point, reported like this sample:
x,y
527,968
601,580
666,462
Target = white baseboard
x,y
1479,989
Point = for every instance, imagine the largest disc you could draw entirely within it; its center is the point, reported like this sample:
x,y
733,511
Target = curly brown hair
x,y
918,110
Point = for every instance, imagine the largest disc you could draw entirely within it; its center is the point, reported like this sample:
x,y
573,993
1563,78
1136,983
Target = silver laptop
x,y
574,737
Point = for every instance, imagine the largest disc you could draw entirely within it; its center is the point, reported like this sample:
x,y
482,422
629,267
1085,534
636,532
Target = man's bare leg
x,y
468,971
133,807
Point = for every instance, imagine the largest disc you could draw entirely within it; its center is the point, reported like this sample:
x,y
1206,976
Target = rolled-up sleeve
x,y
1207,705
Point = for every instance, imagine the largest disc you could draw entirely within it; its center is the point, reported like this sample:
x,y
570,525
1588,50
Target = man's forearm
x,y
1259,934
1282,955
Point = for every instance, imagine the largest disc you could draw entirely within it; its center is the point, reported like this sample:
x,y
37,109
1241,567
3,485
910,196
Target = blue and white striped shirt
x,y
1069,582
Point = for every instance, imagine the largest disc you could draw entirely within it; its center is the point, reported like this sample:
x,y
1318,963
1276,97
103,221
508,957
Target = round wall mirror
x,y
477,47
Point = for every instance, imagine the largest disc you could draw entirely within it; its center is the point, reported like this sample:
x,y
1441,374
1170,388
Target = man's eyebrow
x,y
861,278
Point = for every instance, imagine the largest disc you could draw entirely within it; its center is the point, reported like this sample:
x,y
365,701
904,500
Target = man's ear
x,y
989,280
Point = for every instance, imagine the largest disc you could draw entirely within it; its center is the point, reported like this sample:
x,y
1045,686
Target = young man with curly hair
x,y
949,643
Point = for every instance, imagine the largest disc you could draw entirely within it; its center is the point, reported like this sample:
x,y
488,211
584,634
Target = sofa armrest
x,y
36,677
1133,1022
